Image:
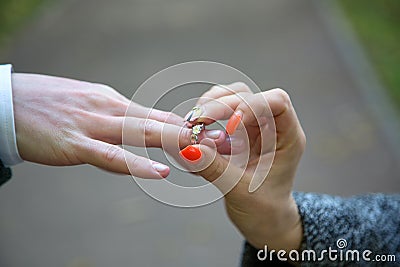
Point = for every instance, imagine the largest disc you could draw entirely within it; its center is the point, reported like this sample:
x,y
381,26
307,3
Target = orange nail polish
x,y
191,153
233,122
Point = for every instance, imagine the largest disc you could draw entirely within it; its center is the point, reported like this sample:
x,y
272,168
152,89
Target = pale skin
x,y
268,216
63,122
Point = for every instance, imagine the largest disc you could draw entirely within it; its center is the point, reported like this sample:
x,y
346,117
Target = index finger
x,y
219,109
218,91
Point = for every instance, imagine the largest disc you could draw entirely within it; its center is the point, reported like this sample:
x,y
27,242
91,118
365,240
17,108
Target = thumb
x,y
204,160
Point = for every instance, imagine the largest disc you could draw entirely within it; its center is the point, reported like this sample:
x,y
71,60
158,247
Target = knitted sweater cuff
x,y
368,222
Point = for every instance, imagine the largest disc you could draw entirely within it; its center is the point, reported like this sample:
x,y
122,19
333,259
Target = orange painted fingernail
x,y
191,153
234,122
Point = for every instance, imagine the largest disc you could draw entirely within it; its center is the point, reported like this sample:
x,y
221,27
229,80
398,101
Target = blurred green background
x,y
377,24
13,14
81,216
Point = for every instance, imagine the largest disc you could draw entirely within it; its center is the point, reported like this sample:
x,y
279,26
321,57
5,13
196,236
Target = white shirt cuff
x,y
8,141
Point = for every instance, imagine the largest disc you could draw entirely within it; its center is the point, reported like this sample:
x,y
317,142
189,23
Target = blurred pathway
x,y
80,216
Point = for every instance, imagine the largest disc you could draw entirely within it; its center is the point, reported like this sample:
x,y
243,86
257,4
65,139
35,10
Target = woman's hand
x,y
62,122
269,215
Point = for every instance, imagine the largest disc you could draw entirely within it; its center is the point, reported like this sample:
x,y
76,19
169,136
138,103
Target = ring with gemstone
x,y
196,130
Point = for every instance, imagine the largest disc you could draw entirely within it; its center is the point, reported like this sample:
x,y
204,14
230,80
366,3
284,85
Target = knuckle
x,y
302,139
111,153
283,98
241,86
96,97
111,92
185,137
76,145
149,127
165,116
134,163
218,89
103,87
283,95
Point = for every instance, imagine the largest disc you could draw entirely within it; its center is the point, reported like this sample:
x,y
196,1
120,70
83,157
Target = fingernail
x,y
190,153
213,134
194,114
160,168
234,122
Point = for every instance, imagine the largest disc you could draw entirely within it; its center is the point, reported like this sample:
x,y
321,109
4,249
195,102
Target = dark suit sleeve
x,y
5,174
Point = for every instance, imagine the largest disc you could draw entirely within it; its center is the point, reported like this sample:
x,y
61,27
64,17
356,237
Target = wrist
x,y
280,228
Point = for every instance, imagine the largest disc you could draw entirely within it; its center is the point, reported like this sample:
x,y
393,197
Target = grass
x,y
377,24
13,14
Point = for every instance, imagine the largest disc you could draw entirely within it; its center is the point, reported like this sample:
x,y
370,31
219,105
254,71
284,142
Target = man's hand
x,y
63,122
269,215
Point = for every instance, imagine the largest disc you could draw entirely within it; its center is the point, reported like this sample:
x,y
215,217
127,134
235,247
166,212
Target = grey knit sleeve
x,y
363,223
368,222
